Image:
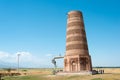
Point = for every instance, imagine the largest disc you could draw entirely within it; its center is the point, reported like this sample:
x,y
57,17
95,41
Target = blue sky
x,y
37,29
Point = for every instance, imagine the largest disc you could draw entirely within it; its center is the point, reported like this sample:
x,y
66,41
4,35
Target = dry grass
x,y
46,74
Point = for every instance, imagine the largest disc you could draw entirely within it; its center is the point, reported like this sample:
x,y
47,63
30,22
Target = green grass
x,y
97,79
25,78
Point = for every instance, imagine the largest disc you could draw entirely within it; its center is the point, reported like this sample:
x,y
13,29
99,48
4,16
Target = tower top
x,y
74,12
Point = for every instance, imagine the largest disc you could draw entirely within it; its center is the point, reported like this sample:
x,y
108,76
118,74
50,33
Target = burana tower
x,y
77,56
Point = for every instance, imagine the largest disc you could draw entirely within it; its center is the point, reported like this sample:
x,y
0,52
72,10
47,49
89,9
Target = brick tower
x,y
77,56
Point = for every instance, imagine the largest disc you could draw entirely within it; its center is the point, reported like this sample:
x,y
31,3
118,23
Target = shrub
x,y
97,79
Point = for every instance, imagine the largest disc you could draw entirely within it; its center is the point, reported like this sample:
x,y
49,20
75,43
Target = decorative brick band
x,y
75,42
74,27
74,31
77,51
73,35
72,24
77,46
74,15
76,38
70,21
74,18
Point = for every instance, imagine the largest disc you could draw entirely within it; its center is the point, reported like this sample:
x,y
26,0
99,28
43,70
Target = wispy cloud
x,y
27,59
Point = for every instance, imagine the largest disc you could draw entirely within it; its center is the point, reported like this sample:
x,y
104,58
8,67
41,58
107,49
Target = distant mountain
x,y
7,65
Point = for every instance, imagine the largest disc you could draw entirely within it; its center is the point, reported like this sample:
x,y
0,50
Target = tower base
x,y
75,73
77,63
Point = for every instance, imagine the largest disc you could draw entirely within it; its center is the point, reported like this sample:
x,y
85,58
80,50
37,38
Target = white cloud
x,y
3,54
27,59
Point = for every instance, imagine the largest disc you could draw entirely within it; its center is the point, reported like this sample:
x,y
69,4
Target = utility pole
x,y
18,62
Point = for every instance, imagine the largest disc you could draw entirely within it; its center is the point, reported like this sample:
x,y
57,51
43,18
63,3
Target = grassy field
x,y
46,74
